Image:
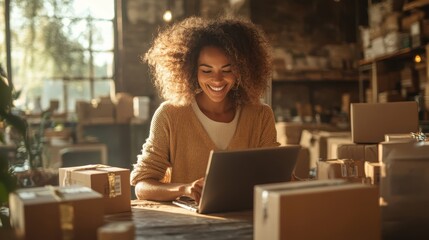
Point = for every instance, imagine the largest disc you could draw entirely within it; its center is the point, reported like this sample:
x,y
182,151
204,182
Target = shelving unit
x,y
397,59
376,68
318,75
313,88
397,64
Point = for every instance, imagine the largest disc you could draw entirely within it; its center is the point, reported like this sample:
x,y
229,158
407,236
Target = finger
x,y
197,197
197,188
200,182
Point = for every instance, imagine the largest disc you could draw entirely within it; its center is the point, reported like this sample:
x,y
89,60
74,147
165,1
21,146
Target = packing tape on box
x,y
67,220
114,181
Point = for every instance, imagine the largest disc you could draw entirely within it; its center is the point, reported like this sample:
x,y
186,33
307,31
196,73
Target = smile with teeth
x,y
217,89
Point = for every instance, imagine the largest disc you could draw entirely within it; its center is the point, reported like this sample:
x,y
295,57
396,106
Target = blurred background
x,y
79,61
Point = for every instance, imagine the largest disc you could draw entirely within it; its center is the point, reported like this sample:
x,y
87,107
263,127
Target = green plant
x,y
7,180
28,170
17,122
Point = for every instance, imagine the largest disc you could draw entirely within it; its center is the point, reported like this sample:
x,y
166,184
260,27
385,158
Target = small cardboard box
x,y
124,108
102,111
340,168
288,133
333,144
371,121
363,152
317,143
112,182
328,209
399,138
56,213
372,171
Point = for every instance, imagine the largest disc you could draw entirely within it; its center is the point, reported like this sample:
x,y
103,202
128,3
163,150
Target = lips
x,y
217,89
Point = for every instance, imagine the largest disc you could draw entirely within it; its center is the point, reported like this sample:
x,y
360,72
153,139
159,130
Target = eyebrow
x,y
205,65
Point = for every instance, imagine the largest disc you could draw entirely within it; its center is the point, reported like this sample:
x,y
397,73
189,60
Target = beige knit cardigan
x,y
178,142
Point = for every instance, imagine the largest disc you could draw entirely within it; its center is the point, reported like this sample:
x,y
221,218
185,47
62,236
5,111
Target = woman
x,y
212,74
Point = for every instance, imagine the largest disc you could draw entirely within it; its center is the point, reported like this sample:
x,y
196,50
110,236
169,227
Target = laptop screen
x,y
232,175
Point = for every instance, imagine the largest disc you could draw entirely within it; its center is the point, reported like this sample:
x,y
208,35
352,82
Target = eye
x,y
226,71
206,71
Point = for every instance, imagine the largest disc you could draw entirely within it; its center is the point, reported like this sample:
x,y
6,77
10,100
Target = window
x,y
61,50
2,35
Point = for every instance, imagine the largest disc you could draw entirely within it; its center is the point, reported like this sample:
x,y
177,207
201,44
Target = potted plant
x,y
29,170
7,180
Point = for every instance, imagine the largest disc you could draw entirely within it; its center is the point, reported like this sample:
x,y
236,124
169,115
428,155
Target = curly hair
x,y
173,57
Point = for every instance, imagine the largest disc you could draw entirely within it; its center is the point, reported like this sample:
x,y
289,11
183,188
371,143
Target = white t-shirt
x,y
219,132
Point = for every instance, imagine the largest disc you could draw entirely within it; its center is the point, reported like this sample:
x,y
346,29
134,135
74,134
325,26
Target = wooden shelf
x,y
317,76
415,4
398,54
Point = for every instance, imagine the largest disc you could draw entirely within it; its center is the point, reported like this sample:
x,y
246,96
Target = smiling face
x,y
215,74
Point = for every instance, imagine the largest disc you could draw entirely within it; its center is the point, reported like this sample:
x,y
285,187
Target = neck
x,y
217,111
208,106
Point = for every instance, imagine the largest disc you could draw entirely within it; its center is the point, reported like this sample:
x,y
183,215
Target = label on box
x,y
114,188
118,190
349,168
415,28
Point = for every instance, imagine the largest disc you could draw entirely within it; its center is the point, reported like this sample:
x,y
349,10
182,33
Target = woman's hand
x,y
195,189
151,189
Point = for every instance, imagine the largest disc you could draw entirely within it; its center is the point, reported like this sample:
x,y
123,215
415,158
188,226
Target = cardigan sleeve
x,y
268,134
153,162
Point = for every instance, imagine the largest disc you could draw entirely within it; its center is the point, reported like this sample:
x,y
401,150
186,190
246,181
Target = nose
x,y
218,76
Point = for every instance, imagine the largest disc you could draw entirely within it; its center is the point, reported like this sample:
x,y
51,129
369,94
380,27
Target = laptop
x,y
371,121
231,176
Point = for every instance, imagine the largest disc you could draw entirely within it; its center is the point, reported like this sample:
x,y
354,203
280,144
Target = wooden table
x,y
161,220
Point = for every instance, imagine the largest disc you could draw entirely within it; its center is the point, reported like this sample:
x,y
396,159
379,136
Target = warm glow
x,y
167,16
417,59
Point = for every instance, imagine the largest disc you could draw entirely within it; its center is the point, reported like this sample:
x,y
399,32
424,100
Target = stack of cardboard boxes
x,y
370,123
75,209
388,198
106,110
391,28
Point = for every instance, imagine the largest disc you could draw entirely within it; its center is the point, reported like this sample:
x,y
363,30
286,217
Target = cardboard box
x,y
288,133
329,209
83,111
392,22
404,181
411,137
378,47
371,121
399,138
372,171
404,170
56,213
102,111
112,182
352,170
124,108
317,143
333,144
390,96
363,152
